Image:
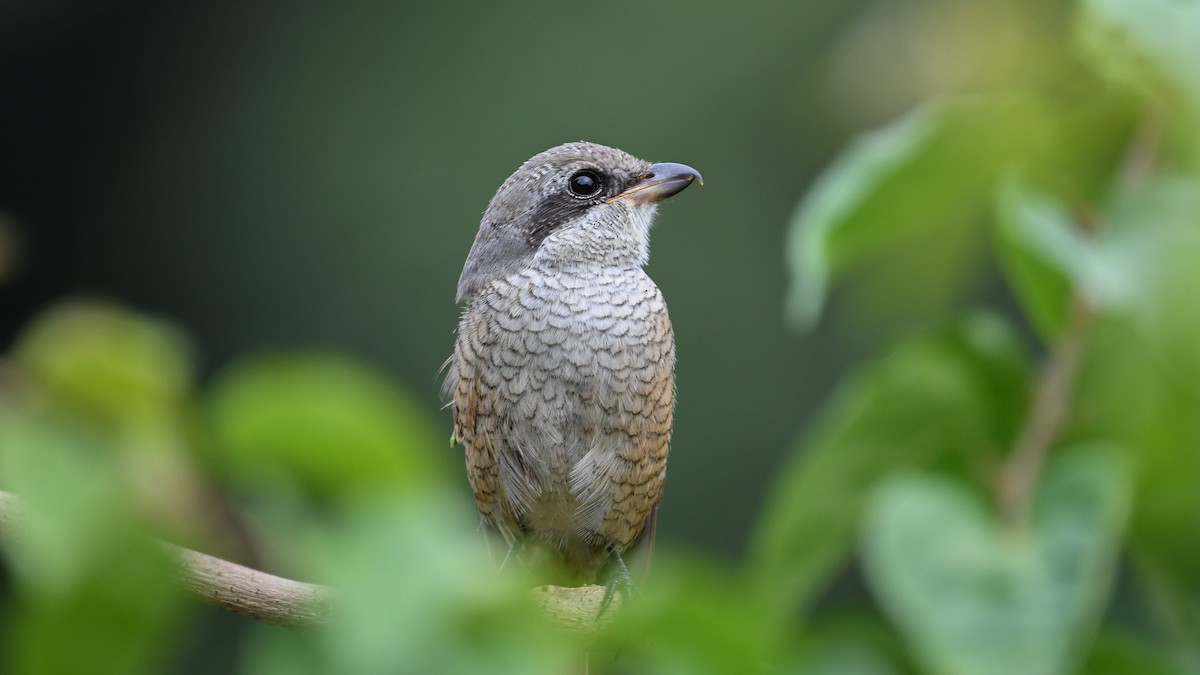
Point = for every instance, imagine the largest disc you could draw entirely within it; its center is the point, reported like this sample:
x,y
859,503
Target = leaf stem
x,y
1047,414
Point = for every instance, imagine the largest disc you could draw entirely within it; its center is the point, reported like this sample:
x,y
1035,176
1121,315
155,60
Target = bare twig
x,y
251,593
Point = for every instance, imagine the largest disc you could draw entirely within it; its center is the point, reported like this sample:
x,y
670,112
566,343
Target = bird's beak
x,y
664,180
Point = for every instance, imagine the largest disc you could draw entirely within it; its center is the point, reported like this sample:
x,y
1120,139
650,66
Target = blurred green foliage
x,y
954,397
1077,175
104,363
974,596
322,421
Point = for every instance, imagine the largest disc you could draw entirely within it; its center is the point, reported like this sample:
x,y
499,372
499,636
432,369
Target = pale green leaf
x,y
975,597
1151,47
837,195
1145,42
958,393
1049,254
1121,654
91,590
108,365
324,421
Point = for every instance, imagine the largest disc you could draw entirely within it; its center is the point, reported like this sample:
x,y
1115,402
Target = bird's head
x,y
575,204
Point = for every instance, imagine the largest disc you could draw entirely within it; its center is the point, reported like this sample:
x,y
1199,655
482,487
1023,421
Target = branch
x,y
249,592
576,608
1047,413
296,604
217,582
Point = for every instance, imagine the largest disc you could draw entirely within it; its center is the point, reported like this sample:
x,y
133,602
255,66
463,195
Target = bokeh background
x,y
273,177
276,174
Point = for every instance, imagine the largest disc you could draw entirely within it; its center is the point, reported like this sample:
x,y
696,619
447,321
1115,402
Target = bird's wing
x,y
476,423
499,250
646,543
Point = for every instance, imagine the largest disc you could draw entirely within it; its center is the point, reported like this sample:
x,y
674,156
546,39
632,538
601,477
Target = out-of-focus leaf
x,y
908,177
975,598
417,593
1173,594
108,365
959,392
324,421
1129,392
846,658
1121,654
126,378
68,487
92,593
1048,255
1140,387
1146,44
1170,208
850,645
932,172
1151,48
691,617
1142,383
1151,382
1042,287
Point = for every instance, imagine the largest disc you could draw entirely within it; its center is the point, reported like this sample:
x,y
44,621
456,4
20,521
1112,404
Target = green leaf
x,y
960,393
1144,43
1152,49
417,593
324,421
1173,595
1141,382
834,198
1140,388
976,598
1047,256
694,617
1032,226
927,171
92,592
930,175
105,364
1117,266
846,658
856,644
1120,654
1169,210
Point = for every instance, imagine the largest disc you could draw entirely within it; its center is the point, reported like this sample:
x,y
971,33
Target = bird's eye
x,y
585,184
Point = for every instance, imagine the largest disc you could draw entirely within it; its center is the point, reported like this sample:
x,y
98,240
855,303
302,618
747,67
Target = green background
x,y
229,241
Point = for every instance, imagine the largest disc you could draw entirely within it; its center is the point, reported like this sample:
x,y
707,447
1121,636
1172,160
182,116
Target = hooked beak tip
x,y
665,180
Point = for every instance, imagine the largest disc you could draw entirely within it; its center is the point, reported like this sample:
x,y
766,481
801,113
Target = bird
x,y
562,378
